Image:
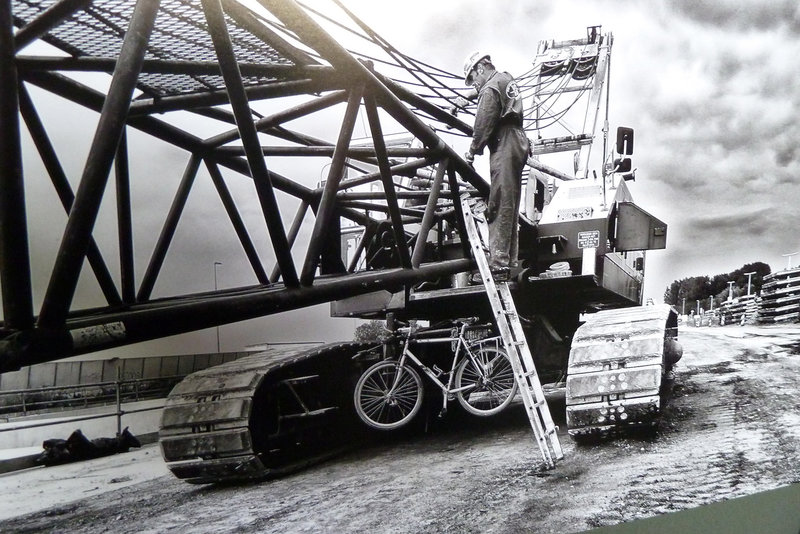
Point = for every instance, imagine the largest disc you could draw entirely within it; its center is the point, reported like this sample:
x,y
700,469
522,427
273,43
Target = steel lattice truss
x,y
214,59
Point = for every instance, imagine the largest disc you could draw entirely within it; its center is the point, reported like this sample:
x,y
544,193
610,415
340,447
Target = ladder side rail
x,y
531,376
514,342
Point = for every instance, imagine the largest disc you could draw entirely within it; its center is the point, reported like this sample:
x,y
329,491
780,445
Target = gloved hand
x,y
470,157
458,104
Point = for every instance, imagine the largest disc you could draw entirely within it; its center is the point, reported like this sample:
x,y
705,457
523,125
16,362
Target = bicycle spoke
x,y
488,371
387,396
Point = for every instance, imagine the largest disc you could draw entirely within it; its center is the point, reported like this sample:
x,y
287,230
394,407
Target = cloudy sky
x,y
710,87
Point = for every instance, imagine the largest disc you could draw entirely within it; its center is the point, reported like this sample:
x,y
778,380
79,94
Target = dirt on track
x,y
732,428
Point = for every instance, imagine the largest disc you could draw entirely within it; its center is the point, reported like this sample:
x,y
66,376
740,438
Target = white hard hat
x,y
473,59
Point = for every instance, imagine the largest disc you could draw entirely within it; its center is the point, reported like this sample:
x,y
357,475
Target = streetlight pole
x,y
216,264
749,278
683,310
789,259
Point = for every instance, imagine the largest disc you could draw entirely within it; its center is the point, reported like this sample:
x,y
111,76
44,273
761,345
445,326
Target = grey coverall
x,y
498,125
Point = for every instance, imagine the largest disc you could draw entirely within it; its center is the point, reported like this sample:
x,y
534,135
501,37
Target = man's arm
x,y
486,119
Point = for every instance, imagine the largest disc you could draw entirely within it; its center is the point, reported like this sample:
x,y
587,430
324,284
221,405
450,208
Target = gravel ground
x,y
732,429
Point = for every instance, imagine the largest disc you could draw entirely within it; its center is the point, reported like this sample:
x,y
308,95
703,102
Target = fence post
x,y
117,361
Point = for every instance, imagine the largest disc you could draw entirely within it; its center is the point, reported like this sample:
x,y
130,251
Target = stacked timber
x,y
741,310
780,297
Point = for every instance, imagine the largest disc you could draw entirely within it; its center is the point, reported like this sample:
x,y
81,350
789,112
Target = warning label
x,y
589,239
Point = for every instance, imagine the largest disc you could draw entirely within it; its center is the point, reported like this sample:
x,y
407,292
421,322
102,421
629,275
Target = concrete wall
x,y
93,371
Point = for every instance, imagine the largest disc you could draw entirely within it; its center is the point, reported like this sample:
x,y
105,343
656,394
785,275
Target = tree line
x,y
702,289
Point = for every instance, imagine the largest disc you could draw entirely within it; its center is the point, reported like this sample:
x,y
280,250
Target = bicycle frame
x,y
462,347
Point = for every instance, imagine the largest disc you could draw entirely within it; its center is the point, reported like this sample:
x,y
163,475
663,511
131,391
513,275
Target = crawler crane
x,y
390,219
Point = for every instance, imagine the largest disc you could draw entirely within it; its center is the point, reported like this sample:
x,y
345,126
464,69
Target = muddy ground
x,y
731,429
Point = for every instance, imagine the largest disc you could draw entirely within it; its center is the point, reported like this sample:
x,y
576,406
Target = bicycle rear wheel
x,y
487,380
388,396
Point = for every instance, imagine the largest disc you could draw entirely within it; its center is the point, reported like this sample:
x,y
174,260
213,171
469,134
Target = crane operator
x,y
498,125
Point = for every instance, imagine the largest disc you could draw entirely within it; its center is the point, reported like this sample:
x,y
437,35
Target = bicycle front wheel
x,y
485,382
387,396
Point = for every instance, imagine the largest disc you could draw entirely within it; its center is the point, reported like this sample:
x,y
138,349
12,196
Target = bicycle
x,y
389,393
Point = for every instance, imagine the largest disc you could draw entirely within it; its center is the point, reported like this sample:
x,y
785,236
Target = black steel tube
x,y
238,223
64,279
15,270
309,140
64,191
388,182
297,20
280,182
125,222
306,86
294,229
49,18
168,231
92,99
328,151
377,195
147,321
362,244
415,214
403,169
327,203
241,109
427,218
285,115
462,226
219,114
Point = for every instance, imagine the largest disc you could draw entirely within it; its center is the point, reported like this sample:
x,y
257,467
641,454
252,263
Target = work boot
x,y
500,273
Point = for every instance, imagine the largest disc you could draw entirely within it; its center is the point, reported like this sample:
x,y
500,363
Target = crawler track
x,y
617,365
259,416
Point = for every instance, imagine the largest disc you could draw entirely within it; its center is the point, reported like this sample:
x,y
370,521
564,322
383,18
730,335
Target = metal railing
x,y
58,398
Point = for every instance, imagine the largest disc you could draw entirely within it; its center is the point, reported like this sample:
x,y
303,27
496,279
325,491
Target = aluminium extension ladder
x,y
510,329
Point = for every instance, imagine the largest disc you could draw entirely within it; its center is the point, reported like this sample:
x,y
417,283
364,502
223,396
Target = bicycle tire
x,y
492,394
379,409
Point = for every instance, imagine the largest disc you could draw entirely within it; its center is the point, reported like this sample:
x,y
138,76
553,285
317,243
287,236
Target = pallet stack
x,y
780,297
741,310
